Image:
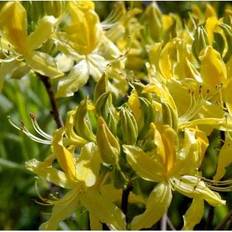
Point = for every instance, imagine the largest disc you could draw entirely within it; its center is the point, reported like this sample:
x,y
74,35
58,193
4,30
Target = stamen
x,y
196,102
26,132
113,18
37,127
219,185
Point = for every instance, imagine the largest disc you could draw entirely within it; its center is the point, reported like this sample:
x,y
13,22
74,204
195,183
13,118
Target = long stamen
x,y
26,132
197,100
218,185
37,127
112,18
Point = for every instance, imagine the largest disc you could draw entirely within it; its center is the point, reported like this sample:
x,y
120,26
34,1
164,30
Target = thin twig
x,y
227,218
170,224
51,95
164,222
125,197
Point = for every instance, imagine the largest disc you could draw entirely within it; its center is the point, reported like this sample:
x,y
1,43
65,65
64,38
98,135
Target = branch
x,y
164,222
54,111
124,202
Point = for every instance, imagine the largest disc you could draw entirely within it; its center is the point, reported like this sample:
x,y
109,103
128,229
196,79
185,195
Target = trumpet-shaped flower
x,y
79,174
23,46
173,164
84,41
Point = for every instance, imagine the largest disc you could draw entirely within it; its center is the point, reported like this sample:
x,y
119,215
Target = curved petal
x,y
63,209
224,124
144,165
192,186
97,65
213,69
157,204
49,173
224,159
95,224
88,164
104,210
42,32
194,214
43,64
71,83
69,130
13,23
64,156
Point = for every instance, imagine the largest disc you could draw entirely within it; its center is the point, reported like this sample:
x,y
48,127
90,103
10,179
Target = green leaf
x,y
156,205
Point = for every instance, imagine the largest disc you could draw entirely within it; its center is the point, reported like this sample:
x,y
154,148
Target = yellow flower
x,y
173,164
84,32
80,174
15,32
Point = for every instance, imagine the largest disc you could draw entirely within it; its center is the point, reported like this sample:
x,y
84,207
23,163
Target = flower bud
x,y
107,143
82,123
105,108
128,127
200,41
169,116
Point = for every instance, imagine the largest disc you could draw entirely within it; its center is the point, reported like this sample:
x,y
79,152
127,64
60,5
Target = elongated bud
x,y
169,116
219,42
228,34
148,115
105,108
200,41
153,22
72,136
108,144
82,123
101,87
128,128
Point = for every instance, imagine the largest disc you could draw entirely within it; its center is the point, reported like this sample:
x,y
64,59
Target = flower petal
x,y
194,214
63,209
157,204
64,156
224,159
192,186
144,165
88,164
103,209
71,83
43,31
13,23
43,64
44,170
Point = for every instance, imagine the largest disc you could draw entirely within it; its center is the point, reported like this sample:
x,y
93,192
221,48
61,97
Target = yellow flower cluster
x,y
162,86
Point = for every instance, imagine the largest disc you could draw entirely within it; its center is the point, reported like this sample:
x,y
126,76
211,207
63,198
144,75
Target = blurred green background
x,y
20,204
